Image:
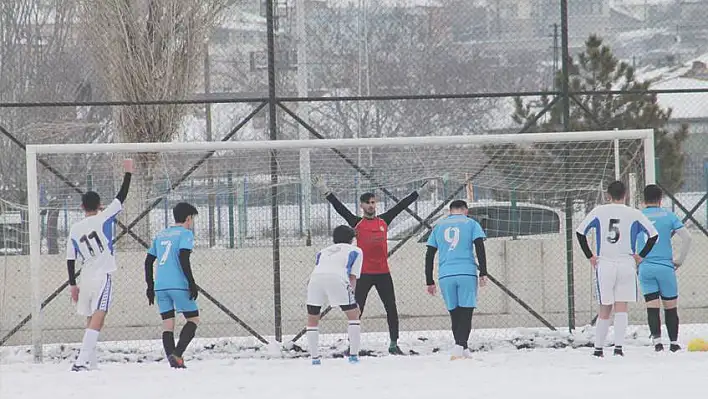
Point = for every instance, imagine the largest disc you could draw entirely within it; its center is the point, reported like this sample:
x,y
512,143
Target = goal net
x,y
261,221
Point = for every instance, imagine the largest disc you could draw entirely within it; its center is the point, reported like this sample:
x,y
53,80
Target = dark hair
x,y
90,201
458,204
343,234
366,197
182,210
652,194
617,190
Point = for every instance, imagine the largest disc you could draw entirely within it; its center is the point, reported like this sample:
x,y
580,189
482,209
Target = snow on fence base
x,y
422,343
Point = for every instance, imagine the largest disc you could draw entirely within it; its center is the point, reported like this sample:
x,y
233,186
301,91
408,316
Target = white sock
x,y
601,328
94,359
88,346
313,337
621,322
354,332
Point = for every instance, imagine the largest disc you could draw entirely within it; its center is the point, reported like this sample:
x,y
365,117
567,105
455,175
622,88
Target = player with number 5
x,y
456,238
91,242
174,283
617,227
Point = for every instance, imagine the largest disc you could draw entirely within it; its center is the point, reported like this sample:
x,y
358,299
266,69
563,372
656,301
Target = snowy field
x,y
506,364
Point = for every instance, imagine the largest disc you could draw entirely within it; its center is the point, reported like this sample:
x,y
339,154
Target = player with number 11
x,y
91,242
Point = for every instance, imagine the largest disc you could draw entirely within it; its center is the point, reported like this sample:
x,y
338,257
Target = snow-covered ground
x,y
507,364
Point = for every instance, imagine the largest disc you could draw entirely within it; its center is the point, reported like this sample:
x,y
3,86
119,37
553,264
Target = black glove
x,y
193,290
150,293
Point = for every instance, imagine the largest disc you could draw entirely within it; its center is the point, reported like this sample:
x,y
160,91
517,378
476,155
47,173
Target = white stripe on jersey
x,y
91,241
616,229
339,259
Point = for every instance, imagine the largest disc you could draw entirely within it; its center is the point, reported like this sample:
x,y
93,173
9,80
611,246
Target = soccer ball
x,y
698,345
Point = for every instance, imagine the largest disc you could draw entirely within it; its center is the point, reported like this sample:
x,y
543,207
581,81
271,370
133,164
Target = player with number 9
x,y
456,238
174,284
617,228
91,242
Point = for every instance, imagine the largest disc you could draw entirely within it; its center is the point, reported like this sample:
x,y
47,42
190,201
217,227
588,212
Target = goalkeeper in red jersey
x,y
371,237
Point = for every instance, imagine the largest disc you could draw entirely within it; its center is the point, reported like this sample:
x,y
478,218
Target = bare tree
x,y
39,61
149,50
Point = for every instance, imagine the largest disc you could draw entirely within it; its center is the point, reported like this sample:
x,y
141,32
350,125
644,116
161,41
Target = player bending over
x,y
657,272
174,284
333,280
371,237
91,241
457,238
617,227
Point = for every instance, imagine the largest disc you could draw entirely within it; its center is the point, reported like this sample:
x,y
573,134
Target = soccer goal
x,y
261,221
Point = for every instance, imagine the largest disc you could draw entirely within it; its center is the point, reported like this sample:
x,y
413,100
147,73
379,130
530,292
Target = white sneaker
x,y
467,353
457,353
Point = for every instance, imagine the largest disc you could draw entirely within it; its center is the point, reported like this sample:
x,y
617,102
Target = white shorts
x,y
329,289
616,281
95,294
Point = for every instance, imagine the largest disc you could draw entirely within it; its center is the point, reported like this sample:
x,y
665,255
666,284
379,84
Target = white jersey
x,y
91,242
616,229
339,259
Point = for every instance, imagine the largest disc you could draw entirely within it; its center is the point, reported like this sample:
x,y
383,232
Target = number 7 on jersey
x,y
167,246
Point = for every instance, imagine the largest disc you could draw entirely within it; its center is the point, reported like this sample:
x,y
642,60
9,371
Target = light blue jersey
x,y
165,247
666,223
454,238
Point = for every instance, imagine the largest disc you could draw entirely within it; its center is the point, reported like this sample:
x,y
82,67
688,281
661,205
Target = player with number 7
x,y
174,285
456,239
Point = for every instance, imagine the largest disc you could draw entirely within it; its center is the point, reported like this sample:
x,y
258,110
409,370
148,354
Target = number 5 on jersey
x,y
613,233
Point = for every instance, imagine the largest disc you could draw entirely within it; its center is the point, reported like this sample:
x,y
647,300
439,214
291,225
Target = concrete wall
x,y
242,280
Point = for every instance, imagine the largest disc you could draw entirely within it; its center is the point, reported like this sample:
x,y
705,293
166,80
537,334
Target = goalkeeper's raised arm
x,y
367,202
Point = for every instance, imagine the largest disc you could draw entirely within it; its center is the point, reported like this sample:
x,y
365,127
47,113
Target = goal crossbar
x,y
511,138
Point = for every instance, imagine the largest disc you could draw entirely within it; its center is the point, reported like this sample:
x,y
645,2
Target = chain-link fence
x,y
351,69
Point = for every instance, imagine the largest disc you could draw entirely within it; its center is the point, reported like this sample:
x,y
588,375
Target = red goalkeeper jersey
x,y
372,234
372,238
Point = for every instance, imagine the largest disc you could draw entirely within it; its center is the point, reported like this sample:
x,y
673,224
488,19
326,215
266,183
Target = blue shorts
x,y
654,277
459,291
177,300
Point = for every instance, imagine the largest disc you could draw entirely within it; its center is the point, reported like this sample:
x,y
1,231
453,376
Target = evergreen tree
x,y
597,69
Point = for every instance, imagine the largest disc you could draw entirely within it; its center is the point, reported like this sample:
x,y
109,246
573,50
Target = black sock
x,y
185,337
654,318
455,318
465,325
168,342
672,323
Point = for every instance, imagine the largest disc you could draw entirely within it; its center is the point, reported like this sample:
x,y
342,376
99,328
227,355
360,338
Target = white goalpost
x,y
519,183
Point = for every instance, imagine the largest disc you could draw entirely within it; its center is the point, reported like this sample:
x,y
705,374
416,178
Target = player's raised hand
x,y
128,165
432,290
74,293
320,184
